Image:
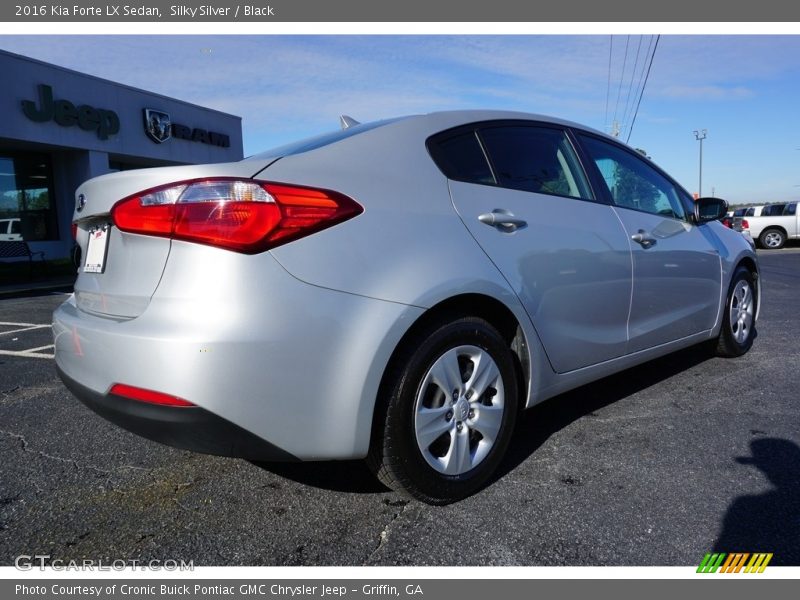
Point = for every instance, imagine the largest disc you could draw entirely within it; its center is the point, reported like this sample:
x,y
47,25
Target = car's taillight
x,y
142,395
243,215
74,229
745,224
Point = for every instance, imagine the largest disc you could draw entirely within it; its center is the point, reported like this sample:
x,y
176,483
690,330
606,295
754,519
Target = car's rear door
x,y
676,267
522,193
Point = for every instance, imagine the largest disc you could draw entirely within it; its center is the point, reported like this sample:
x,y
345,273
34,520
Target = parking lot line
x,y
39,348
32,352
29,328
21,328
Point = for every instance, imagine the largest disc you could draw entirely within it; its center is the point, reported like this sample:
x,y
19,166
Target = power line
x,y
641,75
630,83
608,85
638,104
638,75
621,76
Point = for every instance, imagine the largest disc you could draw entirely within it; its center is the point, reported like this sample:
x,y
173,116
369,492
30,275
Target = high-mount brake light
x,y
242,215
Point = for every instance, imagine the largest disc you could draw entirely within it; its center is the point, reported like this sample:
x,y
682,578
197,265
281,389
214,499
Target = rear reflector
x,y
242,215
143,395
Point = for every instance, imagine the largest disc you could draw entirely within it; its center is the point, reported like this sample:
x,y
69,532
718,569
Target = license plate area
x,y
97,249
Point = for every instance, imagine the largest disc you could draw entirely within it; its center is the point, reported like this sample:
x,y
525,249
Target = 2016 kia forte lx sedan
x,y
396,291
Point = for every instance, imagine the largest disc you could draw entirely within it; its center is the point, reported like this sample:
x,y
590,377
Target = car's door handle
x,y
503,220
644,239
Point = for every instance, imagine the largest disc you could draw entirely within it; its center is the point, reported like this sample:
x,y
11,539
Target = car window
x,y
774,210
791,209
535,159
16,226
461,157
631,182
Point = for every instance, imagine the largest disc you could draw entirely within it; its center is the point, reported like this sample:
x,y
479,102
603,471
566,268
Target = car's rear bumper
x,y
294,365
189,428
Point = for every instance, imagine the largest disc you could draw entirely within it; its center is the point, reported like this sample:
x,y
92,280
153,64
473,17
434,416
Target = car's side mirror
x,y
709,209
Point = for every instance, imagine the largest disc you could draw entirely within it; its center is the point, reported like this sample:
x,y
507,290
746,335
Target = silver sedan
x,y
396,291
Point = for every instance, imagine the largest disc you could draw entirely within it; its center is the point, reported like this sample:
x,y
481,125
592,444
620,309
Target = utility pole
x,y
700,136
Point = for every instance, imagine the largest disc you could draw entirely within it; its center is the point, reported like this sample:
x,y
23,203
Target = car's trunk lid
x,y
128,266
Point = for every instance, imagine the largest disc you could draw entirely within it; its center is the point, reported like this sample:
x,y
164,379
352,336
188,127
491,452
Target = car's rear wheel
x,y
772,239
451,403
739,319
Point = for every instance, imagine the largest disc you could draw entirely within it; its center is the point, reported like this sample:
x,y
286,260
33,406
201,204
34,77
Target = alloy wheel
x,y
458,410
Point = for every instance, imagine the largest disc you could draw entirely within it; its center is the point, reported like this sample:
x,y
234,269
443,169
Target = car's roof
x,y
453,118
423,124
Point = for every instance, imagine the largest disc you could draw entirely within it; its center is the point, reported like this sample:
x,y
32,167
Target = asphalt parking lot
x,y
654,466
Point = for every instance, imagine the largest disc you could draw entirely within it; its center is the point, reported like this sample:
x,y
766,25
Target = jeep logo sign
x,y
102,121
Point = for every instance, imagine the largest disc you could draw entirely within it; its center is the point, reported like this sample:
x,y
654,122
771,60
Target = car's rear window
x,y
461,157
319,141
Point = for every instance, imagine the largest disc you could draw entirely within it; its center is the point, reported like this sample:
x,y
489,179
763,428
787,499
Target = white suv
x,y
10,230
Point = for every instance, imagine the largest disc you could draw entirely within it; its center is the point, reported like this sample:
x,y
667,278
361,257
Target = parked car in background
x,y
738,223
395,291
776,224
753,211
10,230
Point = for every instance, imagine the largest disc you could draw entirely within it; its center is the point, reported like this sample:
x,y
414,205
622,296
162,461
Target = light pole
x,y
700,136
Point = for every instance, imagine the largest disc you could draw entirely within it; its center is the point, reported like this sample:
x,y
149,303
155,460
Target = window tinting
x,y
774,210
535,159
791,209
633,183
461,157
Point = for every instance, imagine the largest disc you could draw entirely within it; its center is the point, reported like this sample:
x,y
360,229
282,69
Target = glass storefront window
x,y
27,201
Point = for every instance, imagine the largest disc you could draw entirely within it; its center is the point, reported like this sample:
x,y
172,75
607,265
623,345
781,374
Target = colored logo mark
x,y
735,562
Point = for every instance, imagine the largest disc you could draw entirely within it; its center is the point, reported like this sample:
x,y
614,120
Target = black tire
x,y
76,256
736,340
772,239
397,458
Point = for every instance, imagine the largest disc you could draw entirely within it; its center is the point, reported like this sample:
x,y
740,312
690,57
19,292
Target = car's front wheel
x,y
739,318
450,407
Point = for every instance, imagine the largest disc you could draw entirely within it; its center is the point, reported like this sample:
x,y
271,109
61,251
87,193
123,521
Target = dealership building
x,y
60,128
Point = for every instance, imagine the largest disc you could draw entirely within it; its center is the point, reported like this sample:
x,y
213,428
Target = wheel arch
x,y
492,310
750,264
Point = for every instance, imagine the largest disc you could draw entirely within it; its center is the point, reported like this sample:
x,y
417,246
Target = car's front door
x,y
522,193
676,268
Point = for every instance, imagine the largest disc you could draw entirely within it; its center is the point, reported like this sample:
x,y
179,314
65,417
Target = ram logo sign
x,y
157,125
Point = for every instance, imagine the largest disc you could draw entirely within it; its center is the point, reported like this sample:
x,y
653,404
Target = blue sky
x,y
745,90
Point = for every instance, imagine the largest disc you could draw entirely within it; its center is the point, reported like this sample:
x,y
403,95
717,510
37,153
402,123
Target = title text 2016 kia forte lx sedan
x,y
396,291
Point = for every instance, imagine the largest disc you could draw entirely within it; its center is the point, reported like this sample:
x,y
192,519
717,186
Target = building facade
x,y
59,128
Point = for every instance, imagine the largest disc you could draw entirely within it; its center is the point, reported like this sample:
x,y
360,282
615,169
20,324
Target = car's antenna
x,y
347,122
